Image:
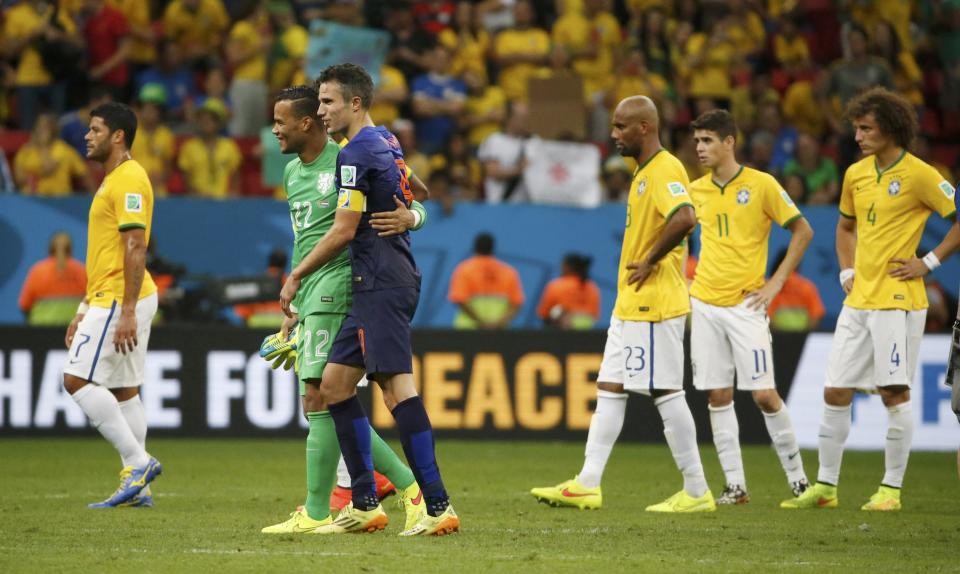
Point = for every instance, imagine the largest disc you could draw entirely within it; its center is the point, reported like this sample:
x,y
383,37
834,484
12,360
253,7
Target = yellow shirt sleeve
x,y
846,198
672,195
233,155
130,202
937,193
777,204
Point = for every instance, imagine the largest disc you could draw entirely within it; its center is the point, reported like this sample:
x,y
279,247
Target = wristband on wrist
x,y
83,308
846,274
416,219
931,261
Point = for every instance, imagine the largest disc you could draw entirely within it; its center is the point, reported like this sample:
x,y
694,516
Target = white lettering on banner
x,y
53,398
15,388
935,426
221,387
264,383
157,389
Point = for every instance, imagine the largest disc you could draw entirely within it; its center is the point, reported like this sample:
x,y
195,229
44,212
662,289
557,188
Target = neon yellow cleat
x,y
569,493
885,499
298,523
356,521
817,496
446,523
683,502
411,500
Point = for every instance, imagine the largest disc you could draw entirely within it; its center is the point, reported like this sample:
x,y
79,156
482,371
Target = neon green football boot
x,y
570,493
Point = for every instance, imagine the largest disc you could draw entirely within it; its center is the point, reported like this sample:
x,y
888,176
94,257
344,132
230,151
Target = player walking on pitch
x,y
322,303
644,349
375,337
884,203
108,337
729,329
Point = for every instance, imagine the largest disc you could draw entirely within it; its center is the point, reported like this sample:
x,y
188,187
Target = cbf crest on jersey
x,y
893,189
641,187
743,197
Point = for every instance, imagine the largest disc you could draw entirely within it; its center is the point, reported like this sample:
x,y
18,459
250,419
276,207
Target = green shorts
x,y
317,333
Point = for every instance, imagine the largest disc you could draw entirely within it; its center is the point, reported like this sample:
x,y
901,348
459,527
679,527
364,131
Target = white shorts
x,y
92,355
728,340
875,348
643,356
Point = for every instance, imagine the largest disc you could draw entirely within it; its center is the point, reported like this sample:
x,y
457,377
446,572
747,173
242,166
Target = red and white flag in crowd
x,y
562,173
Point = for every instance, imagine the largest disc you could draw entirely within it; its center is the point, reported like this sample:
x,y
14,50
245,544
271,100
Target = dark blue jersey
x,y
370,173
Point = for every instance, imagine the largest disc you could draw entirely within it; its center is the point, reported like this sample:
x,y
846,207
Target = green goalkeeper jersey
x,y
312,196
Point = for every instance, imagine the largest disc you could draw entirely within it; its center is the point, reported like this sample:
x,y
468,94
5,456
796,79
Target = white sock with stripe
x,y
726,437
343,475
784,441
102,409
605,426
681,434
899,439
834,429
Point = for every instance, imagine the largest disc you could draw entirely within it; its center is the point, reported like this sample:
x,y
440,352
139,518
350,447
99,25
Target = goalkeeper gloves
x,y
283,353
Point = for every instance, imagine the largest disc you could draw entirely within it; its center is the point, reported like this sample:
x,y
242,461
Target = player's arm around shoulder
x,y
399,220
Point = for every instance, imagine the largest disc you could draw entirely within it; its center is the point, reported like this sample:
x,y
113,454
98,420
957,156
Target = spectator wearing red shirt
x,y
107,35
487,290
54,286
434,16
798,306
571,301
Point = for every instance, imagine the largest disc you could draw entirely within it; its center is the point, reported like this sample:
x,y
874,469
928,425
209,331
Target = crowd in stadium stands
x,y
455,85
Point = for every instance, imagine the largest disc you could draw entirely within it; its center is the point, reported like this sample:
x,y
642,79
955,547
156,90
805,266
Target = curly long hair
x,y
894,114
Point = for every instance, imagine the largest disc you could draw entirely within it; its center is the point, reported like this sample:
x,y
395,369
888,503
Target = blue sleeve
x,y
353,165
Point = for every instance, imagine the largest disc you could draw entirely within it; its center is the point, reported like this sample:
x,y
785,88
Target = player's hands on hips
x,y
909,268
125,337
761,298
72,329
640,273
394,222
287,294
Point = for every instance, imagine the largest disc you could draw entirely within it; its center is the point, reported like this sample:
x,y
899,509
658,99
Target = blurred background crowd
x,y
454,86
460,84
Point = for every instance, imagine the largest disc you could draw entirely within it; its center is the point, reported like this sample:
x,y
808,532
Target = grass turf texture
x,y
215,495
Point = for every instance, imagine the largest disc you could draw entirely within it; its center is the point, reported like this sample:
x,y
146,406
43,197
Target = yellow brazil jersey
x,y
245,34
891,208
21,21
735,224
531,42
209,170
659,188
49,173
124,201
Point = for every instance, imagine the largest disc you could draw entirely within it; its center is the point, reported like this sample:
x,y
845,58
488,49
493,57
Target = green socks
x,y
323,454
387,463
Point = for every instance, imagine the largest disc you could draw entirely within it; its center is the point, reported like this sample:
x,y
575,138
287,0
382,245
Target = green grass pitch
x,y
215,495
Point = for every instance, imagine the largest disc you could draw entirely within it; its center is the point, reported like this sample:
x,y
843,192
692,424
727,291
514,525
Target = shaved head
x,y
636,126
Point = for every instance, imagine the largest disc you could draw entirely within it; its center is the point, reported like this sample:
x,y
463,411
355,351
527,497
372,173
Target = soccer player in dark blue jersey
x,y
375,337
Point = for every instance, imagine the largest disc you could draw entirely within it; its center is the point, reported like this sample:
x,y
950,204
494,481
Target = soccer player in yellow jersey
x,y
729,333
644,349
884,203
108,336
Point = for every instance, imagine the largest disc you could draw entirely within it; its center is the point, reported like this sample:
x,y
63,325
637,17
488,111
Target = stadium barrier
x,y
210,382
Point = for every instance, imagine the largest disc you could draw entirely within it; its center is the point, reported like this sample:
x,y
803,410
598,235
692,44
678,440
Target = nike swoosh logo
x,y
893,371
567,493
793,456
418,499
74,361
755,377
824,501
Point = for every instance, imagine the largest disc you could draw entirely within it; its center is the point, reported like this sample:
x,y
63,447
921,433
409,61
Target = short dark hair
x,y
118,116
483,244
304,100
719,121
353,80
894,114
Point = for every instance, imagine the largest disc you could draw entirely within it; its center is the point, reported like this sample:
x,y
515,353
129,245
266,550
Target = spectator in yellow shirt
x,y
633,78
155,144
210,162
388,96
46,165
485,110
519,52
25,26
247,48
289,46
710,57
143,52
790,48
469,41
197,26
591,38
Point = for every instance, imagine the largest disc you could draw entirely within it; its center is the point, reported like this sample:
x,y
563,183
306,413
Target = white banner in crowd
x,y
562,173
936,426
